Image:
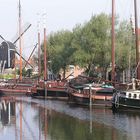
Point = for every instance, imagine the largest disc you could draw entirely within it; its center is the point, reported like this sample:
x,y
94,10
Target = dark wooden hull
x,y
13,92
53,89
126,104
17,90
51,92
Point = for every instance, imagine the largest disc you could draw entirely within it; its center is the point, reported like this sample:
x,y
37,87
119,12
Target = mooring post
x,y
90,106
45,84
90,95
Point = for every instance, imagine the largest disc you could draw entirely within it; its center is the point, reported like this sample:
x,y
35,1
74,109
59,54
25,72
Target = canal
x,y
24,118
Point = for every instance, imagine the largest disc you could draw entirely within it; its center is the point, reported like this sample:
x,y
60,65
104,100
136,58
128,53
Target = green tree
x,y
89,46
93,42
125,49
60,51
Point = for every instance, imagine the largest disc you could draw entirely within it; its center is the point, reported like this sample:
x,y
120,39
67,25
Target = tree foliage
x,y
125,49
60,50
89,45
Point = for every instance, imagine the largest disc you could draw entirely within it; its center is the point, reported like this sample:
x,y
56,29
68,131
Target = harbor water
x,y
24,118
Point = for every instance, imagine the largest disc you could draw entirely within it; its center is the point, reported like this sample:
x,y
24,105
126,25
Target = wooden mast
x,y
20,41
45,48
45,58
39,60
113,42
137,40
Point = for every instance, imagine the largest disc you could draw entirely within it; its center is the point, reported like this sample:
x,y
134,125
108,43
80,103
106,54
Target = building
x,y
74,71
7,55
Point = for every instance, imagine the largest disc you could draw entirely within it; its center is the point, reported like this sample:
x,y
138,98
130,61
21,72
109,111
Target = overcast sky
x,y
61,14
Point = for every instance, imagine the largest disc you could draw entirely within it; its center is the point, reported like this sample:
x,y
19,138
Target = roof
x,y
11,45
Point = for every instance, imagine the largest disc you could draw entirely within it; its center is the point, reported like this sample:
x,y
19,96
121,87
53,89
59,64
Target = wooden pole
x,y
113,41
45,55
90,107
45,58
39,59
20,41
15,68
39,48
137,40
90,95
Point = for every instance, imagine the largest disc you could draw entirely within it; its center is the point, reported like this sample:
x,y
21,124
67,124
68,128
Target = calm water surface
x,y
33,119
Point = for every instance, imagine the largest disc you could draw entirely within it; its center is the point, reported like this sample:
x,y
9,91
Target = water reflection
x,y
7,112
26,120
